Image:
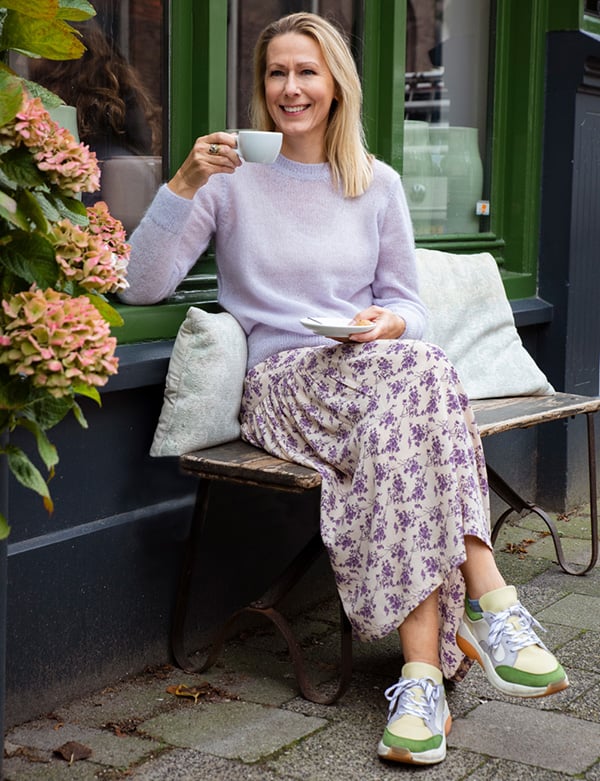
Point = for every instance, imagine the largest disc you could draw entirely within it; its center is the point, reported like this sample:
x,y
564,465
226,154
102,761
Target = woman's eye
x,y
308,72
276,72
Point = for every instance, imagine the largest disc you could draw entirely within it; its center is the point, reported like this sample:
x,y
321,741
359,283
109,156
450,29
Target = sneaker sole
x,y
396,754
470,647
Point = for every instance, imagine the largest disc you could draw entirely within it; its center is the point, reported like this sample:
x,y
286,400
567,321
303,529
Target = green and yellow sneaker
x,y
418,718
502,639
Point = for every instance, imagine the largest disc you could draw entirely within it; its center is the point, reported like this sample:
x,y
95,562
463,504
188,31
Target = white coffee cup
x,y
259,146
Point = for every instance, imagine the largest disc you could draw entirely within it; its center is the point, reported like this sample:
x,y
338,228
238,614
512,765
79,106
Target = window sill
x,y
531,311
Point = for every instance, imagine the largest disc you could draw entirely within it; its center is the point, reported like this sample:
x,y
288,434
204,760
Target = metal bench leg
x,y
265,605
519,505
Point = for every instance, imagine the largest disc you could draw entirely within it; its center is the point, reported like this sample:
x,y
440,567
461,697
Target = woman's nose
x,y
291,86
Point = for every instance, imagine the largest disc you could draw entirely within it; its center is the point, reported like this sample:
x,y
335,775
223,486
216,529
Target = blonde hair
x,y
345,147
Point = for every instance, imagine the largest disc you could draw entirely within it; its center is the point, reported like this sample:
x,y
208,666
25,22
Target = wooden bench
x,y
238,462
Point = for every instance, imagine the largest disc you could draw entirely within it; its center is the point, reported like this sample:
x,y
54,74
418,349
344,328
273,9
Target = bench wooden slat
x,y
494,416
242,463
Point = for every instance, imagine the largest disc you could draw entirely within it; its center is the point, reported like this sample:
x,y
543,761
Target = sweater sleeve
x,y
395,286
172,235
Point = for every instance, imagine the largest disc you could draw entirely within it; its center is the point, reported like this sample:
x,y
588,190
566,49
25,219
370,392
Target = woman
x,y
404,506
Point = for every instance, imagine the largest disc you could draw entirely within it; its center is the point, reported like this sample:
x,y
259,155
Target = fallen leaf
x,y
72,751
122,728
181,690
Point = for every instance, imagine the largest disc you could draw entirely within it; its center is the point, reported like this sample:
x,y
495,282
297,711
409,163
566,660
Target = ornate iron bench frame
x,y
239,462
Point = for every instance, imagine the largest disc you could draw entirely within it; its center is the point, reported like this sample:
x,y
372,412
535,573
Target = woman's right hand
x,y
211,154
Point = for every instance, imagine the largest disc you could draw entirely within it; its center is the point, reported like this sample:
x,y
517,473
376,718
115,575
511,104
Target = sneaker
x,y
502,639
418,719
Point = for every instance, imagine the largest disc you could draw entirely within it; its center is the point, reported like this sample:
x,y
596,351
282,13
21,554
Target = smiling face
x,y
299,90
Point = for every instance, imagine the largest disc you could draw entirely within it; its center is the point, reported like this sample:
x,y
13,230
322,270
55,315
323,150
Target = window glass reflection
x,y
116,92
445,128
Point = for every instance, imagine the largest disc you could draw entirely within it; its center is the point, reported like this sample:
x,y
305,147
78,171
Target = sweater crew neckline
x,y
309,171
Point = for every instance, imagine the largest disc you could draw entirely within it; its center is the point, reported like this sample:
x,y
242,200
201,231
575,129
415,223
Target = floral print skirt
x,y
389,427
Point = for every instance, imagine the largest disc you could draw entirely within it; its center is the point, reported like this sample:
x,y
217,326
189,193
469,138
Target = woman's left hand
x,y
387,325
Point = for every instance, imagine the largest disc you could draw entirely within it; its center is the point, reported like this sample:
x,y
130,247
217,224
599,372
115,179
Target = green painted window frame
x,y
198,68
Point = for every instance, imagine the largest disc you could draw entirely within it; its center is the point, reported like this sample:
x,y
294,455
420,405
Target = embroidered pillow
x,y
471,319
204,384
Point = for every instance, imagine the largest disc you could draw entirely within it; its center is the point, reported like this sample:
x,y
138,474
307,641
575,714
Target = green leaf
x,y
108,312
49,210
48,98
49,38
11,96
87,390
46,449
29,206
48,410
19,166
41,9
4,527
15,392
31,257
75,10
26,472
79,416
71,208
11,213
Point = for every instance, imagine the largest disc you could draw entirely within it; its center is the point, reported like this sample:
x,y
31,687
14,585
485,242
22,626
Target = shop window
x,y
592,7
117,92
445,119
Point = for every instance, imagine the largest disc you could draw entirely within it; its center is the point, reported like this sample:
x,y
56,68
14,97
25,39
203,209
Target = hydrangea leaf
x,y
79,416
11,212
30,208
41,9
15,393
11,96
48,410
4,527
108,312
30,256
49,38
27,473
48,452
71,208
18,166
48,98
47,207
83,389
75,10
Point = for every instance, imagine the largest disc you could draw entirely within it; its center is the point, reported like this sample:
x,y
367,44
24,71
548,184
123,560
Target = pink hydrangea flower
x,y
87,258
56,340
66,163
112,233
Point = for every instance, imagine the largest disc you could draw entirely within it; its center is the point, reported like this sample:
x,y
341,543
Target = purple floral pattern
x,y
389,427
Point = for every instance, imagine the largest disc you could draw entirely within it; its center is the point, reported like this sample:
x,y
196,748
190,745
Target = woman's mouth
x,y
294,109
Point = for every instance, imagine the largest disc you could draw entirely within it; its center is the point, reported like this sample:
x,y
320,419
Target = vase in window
x,y
463,169
66,116
426,200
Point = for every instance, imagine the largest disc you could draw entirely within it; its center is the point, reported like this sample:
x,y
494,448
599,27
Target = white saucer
x,y
334,326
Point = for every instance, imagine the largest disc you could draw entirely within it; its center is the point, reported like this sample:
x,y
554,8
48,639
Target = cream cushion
x,y
203,389
470,317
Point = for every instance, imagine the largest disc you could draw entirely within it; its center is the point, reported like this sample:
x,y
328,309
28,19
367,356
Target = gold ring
x,y
213,149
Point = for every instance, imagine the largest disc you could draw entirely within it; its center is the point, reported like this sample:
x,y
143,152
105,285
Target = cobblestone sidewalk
x,y
247,721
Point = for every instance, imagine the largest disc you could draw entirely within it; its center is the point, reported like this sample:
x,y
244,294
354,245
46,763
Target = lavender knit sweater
x,y
288,245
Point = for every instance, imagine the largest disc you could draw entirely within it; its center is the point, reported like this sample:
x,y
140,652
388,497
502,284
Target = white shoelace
x,y
404,697
516,634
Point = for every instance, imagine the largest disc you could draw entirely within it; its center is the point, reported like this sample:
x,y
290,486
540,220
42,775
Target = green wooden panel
x,y
383,77
198,78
